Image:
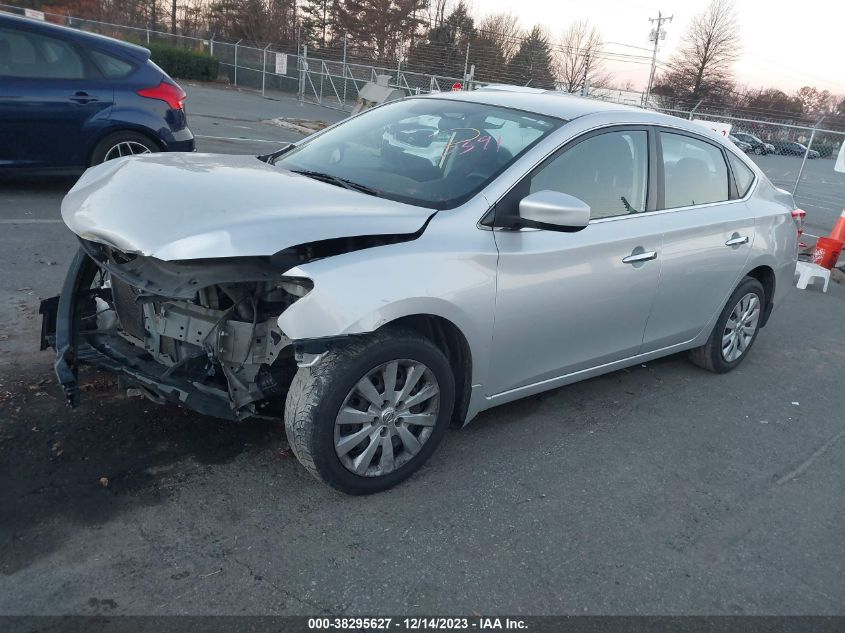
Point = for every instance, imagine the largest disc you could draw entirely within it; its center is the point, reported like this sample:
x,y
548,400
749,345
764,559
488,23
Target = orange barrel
x,y
827,252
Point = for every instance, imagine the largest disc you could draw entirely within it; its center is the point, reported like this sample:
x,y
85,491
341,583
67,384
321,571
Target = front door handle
x,y
635,258
737,240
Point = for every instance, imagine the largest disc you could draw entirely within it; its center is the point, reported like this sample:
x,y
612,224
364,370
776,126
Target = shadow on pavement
x,y
61,467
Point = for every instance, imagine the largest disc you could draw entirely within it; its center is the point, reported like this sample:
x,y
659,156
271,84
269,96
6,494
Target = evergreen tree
x,y
318,17
443,52
379,28
532,63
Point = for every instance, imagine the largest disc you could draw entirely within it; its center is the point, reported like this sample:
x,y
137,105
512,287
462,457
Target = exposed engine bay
x,y
215,347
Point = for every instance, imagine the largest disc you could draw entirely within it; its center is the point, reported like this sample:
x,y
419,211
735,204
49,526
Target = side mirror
x,y
554,211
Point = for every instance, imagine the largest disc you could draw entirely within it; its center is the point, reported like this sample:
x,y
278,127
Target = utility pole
x,y
584,78
658,34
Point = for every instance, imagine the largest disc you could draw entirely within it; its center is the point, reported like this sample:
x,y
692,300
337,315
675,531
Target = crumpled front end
x,y
203,334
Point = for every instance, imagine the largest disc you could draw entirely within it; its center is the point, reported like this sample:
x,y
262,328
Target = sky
x,y
781,48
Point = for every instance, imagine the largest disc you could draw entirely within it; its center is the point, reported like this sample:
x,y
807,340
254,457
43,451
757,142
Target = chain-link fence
x,y
795,154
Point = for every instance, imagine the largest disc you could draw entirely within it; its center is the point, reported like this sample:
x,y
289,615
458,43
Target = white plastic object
x,y
807,272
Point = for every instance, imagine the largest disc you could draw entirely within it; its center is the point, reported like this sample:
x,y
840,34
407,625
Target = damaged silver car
x,y
417,264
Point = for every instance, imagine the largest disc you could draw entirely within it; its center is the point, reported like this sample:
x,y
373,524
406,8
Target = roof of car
x,y
547,102
98,41
556,103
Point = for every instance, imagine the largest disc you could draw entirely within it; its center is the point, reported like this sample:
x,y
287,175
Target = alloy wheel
x,y
741,327
387,417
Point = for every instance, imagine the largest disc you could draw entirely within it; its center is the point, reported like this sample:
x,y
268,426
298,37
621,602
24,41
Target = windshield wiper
x,y
337,180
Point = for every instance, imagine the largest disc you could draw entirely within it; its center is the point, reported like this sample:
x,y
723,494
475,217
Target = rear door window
x,y
694,170
36,56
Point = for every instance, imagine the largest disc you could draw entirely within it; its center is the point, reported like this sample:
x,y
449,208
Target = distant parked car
x,y
770,149
790,148
757,146
69,100
745,147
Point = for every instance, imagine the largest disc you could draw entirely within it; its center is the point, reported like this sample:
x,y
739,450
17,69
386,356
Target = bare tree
x,y
703,67
501,30
437,12
578,58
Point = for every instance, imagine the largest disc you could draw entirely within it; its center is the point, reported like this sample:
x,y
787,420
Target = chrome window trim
x,y
665,211
656,128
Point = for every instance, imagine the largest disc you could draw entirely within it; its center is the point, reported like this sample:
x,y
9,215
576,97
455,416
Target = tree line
x,y
427,36
445,37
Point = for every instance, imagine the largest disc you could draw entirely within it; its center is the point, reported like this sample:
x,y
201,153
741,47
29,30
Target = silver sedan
x,y
416,264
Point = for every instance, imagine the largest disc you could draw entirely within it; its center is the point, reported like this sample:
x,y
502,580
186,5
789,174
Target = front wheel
x,y
368,415
735,330
759,151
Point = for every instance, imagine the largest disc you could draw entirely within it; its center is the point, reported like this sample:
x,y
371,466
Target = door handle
x,y
82,98
640,257
736,241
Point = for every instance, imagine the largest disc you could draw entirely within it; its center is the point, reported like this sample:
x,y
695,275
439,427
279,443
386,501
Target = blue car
x,y
69,100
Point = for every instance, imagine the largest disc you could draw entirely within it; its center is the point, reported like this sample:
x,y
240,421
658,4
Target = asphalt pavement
x,y
661,489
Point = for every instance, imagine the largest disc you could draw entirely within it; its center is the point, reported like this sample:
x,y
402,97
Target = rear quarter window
x,y
112,67
743,176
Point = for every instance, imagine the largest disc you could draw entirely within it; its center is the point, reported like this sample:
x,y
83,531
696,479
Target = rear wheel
x,y
735,331
122,144
367,416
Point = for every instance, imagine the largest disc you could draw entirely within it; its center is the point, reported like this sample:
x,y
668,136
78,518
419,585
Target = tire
x,y
711,356
317,394
134,141
759,151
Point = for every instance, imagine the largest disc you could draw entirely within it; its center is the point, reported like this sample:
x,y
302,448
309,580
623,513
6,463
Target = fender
x,y
357,292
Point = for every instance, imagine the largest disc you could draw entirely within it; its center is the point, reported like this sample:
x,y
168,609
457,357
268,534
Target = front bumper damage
x,y
203,335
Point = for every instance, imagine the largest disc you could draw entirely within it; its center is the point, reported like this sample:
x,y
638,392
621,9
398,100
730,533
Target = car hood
x,y
196,206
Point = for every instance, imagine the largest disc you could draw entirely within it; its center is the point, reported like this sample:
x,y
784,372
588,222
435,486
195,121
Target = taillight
x,y
799,215
171,94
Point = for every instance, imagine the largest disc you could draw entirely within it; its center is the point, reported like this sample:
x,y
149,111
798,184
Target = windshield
x,y
434,153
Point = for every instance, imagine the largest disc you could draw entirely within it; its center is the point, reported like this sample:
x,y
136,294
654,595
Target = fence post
x,y
691,112
148,35
466,63
264,68
303,65
398,63
236,60
344,70
211,45
804,161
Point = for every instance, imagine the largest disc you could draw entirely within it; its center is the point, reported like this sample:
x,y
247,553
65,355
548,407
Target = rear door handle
x,y
640,257
82,98
736,241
